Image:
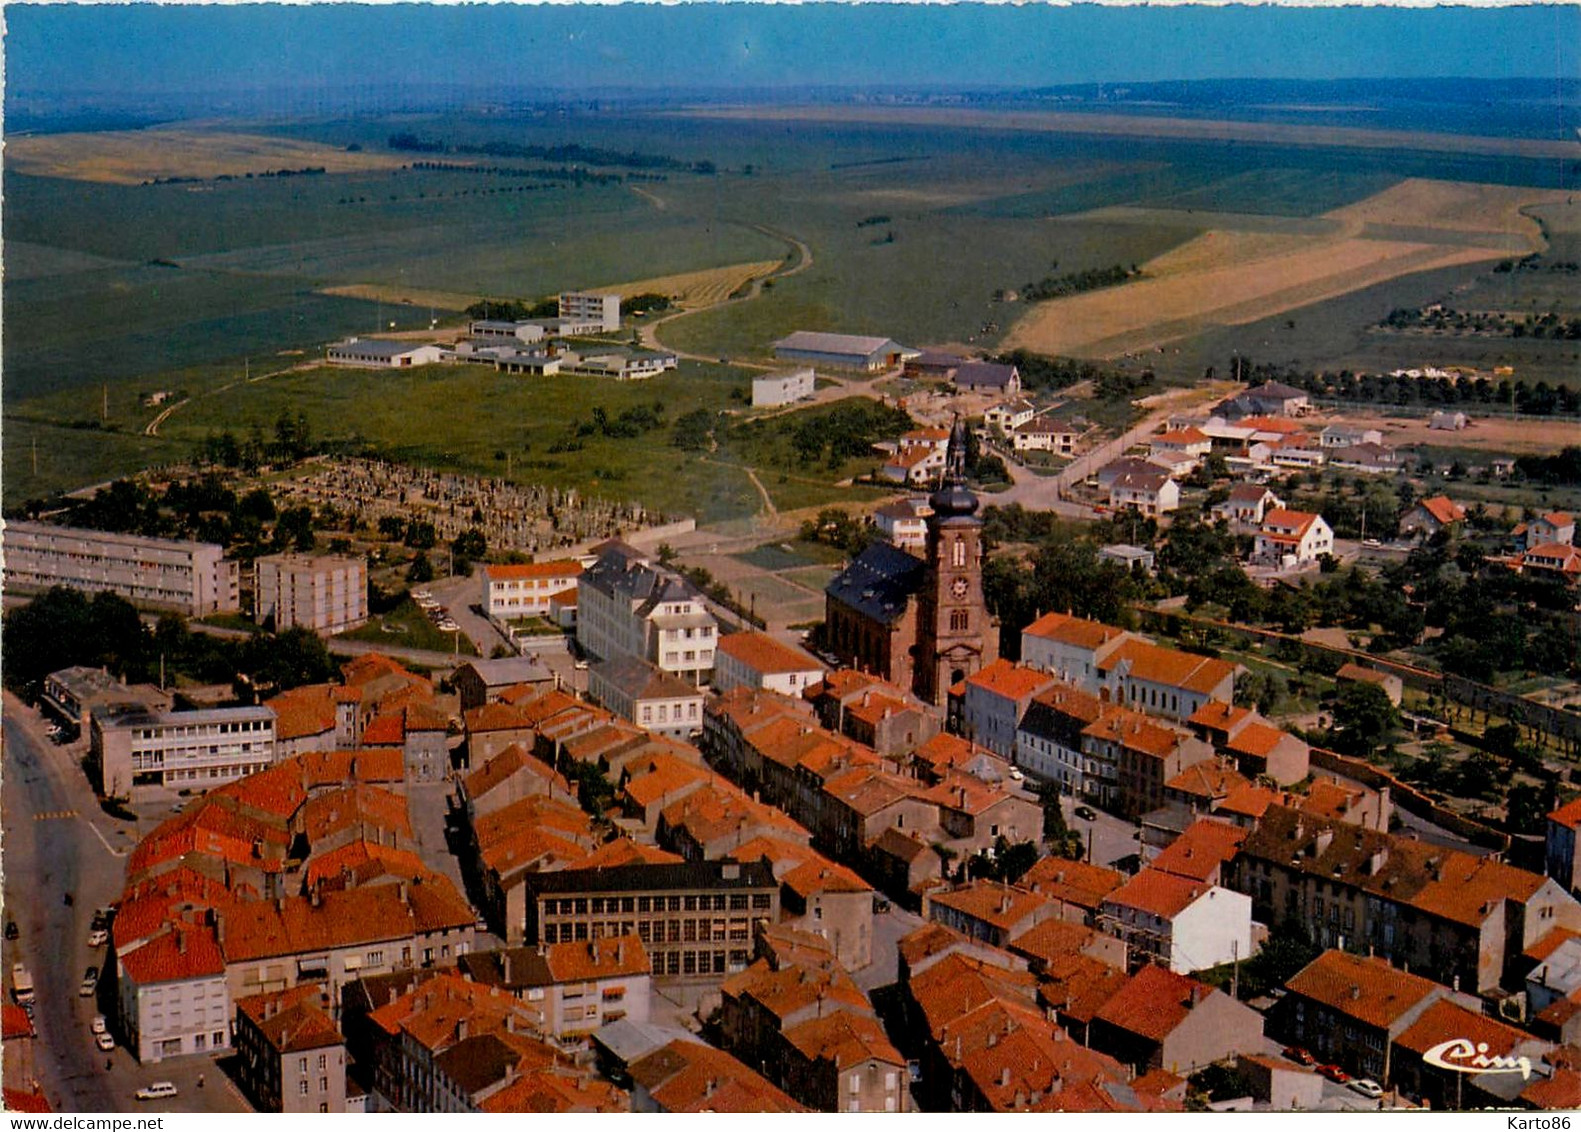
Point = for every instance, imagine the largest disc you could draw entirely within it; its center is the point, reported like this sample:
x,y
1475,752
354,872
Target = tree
x,y
1363,719
1527,807
287,660
421,570
1287,950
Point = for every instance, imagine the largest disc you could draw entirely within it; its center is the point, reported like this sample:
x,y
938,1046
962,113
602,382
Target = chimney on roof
x,y
1004,1077
400,891
181,942
620,952
312,896
1355,992
709,1086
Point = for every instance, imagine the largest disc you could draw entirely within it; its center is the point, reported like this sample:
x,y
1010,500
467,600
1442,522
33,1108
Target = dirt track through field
x,y
1250,271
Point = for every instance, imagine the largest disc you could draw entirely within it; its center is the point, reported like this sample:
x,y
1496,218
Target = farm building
x,y
776,389
933,364
1448,422
381,353
988,377
844,351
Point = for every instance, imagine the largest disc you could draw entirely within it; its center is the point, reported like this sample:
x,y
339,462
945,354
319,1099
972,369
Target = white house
x,y
757,660
774,389
1046,434
627,607
1376,459
1181,923
1292,538
1151,493
651,698
382,353
1297,452
1446,422
1247,504
1180,450
1009,415
1556,526
1344,436
904,522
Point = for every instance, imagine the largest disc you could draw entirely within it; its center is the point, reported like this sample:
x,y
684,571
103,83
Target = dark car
x,y
1334,1073
1086,813
1300,1056
11,930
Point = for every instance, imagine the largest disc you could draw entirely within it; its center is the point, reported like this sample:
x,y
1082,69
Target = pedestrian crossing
x,y
54,815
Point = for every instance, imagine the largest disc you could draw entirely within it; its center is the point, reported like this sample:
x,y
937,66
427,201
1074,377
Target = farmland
x,y
916,226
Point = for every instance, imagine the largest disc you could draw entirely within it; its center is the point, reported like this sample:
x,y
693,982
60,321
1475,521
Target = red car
x,y
1300,1056
1334,1073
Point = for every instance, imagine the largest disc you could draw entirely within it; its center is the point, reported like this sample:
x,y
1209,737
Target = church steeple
x,y
955,635
953,498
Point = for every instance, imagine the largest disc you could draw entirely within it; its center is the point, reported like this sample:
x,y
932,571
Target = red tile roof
x,y
1073,882
1154,1003
687,1076
1443,509
1158,893
184,952
1009,680
762,653
1078,631
1004,906
387,730
1445,1019
1360,987
559,568
1568,815
1201,851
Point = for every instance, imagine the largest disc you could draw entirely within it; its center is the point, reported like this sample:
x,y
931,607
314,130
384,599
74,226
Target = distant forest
x,y
586,155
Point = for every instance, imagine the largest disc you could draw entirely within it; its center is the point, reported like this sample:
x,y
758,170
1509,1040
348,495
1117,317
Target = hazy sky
x,y
144,47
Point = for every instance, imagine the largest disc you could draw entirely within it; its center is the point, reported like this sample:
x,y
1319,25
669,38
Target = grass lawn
x,y
231,621
407,626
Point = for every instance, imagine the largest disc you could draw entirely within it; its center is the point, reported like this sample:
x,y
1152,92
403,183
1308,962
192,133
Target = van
x,y
158,1091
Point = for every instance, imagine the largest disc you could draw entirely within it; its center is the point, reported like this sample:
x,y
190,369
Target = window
x,y
301,1065
856,1083
959,621
958,552
323,1061
301,1087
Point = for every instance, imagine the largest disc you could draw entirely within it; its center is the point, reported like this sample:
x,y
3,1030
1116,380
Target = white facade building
x,y
325,593
140,754
172,996
194,578
524,590
593,307
1289,538
382,353
775,389
757,660
628,608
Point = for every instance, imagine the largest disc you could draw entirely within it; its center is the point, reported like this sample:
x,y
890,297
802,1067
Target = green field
x,y
113,291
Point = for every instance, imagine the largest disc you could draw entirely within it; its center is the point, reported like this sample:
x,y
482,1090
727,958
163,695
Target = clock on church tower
x,y
955,635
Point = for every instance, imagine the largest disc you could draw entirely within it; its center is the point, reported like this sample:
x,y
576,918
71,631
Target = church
x,y
919,623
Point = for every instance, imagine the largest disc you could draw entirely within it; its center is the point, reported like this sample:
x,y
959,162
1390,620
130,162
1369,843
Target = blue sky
x,y
144,47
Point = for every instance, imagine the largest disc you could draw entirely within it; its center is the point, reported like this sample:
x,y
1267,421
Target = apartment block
x,y
194,578
137,753
695,918
591,306
628,607
325,593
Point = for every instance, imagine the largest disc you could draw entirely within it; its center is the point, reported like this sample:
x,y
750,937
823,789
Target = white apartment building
x,y
325,593
139,754
194,578
524,590
590,306
775,389
172,997
1292,538
627,607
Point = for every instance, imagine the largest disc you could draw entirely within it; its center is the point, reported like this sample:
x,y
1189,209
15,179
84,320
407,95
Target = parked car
x,y
11,930
104,1041
89,984
1299,1055
1086,813
1367,1087
98,937
1334,1073
159,1090
99,1025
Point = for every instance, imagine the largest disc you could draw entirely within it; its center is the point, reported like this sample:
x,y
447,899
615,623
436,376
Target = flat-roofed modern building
x,y
136,753
524,589
591,306
194,578
325,593
774,389
695,918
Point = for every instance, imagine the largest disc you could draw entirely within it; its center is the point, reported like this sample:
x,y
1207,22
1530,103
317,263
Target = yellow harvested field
x,y
417,297
692,289
1487,434
1228,278
130,157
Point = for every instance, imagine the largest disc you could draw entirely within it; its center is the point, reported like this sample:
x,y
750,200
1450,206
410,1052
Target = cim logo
x,y
1460,1055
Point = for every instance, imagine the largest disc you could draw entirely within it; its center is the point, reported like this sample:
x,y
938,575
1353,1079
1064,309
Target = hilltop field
x,y
1288,245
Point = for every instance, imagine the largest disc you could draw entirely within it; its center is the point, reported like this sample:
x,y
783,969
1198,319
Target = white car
x,y
104,1042
1367,1087
98,1025
159,1090
98,937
